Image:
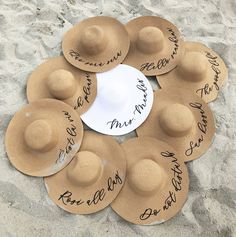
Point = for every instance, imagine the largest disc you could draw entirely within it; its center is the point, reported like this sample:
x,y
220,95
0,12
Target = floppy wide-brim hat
x,y
96,44
157,182
182,119
155,45
57,79
43,137
200,70
123,101
93,178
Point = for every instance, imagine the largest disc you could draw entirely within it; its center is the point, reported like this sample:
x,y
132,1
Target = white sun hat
x,y
124,100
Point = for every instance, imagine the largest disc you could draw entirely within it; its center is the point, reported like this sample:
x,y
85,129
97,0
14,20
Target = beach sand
x,y
30,32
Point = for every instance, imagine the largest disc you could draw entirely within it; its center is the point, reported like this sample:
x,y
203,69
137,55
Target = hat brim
x,y
215,78
97,196
43,164
198,140
86,84
136,95
140,209
156,63
114,53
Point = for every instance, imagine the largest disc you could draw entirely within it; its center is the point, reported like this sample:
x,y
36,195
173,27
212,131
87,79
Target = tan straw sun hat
x,y
93,178
155,45
58,79
157,182
182,119
201,70
96,44
43,137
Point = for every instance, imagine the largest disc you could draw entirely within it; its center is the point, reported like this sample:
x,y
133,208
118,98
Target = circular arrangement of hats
x,y
101,80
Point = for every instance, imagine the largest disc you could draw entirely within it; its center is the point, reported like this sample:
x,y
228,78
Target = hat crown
x,y
85,169
145,177
93,40
113,96
193,66
40,135
176,120
61,84
150,40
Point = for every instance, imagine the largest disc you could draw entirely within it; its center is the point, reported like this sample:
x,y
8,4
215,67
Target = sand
x,y
30,32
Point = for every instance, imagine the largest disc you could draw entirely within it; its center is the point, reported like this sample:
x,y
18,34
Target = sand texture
x,y
30,32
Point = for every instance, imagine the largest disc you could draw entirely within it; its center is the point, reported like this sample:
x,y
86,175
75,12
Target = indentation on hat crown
x,y
93,40
176,120
193,66
85,169
150,40
145,177
61,84
41,135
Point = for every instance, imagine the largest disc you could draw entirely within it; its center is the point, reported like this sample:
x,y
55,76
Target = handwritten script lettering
x,y
99,195
76,56
207,89
138,108
116,124
143,88
202,126
177,179
169,200
68,116
173,38
176,182
87,92
72,132
67,200
149,66
152,66
149,212
111,183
